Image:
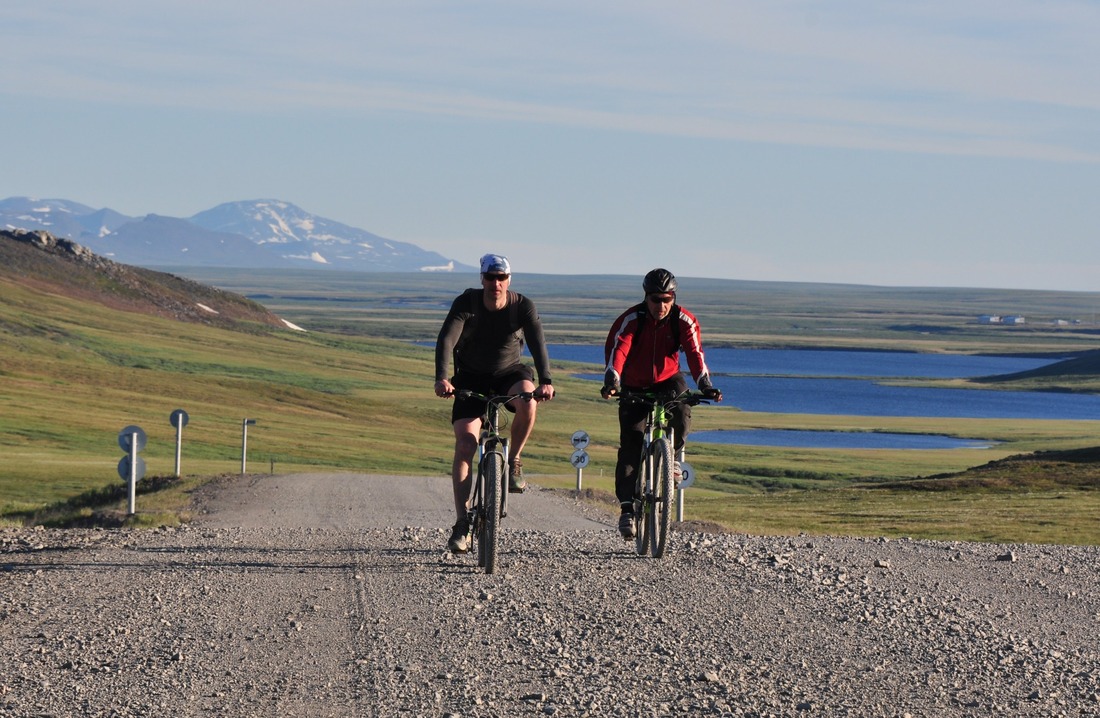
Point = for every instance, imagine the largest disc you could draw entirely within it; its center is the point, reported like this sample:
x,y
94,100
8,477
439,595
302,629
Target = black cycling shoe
x,y
626,526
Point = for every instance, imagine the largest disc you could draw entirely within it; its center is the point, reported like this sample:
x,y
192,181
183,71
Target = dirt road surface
x,y
331,595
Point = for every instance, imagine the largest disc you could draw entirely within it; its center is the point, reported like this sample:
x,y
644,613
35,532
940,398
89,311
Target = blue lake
x,y
864,397
848,383
845,382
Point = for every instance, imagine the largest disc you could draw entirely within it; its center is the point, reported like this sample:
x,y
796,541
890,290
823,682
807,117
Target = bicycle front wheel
x,y
490,511
643,491
661,511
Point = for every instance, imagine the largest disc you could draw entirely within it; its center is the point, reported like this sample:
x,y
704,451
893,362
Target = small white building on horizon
x,y
1014,320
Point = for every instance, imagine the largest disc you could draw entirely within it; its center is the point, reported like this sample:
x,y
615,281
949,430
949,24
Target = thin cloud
x,y
1011,79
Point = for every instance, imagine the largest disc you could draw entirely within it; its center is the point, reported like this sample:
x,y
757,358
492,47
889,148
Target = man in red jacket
x,y
642,352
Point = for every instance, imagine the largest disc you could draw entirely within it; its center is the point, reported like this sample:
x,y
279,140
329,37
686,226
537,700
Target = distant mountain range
x,y
266,234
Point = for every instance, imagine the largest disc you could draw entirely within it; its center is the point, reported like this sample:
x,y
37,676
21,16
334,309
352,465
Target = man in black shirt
x,y
484,332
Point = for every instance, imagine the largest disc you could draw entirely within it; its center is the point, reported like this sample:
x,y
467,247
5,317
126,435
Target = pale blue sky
x,y
926,142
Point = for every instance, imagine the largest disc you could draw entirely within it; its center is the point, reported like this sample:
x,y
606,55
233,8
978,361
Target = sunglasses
x,y
496,277
659,299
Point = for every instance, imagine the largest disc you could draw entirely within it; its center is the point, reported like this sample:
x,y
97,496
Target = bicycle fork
x,y
486,448
648,469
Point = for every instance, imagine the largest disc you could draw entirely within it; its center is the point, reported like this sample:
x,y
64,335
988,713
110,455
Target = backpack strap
x,y
674,317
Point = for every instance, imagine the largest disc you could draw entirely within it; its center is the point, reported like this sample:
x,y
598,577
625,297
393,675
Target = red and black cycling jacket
x,y
644,352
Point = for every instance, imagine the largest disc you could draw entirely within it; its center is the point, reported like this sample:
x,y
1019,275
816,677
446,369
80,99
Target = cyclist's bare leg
x,y
466,433
523,423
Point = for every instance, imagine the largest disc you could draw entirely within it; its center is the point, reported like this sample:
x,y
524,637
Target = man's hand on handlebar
x,y
545,392
611,386
444,388
710,391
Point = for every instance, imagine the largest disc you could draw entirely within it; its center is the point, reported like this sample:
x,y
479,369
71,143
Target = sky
x,y
944,143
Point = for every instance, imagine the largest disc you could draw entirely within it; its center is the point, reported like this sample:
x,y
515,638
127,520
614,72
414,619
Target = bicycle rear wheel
x,y
490,511
661,510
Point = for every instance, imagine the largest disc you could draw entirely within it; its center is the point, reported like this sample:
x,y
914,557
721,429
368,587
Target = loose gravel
x,y
271,605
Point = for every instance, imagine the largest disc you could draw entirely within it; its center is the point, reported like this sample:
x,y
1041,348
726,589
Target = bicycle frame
x,y
654,482
657,427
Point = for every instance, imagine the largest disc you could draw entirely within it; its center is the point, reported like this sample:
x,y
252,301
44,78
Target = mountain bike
x,y
489,498
654,487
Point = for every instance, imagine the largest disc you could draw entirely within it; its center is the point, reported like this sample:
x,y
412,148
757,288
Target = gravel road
x,y
331,595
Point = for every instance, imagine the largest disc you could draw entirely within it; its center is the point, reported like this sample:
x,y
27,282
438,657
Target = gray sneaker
x,y
516,484
460,537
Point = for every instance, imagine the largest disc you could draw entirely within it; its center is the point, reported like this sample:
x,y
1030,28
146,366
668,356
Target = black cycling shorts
x,y
490,385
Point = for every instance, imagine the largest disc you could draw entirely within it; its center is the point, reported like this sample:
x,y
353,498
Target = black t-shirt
x,y
485,341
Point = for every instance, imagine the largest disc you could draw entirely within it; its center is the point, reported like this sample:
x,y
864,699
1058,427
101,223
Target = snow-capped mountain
x,y
257,233
155,241
59,217
299,236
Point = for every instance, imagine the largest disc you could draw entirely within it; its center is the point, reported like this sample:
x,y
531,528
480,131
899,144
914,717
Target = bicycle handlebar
x,y
501,399
691,398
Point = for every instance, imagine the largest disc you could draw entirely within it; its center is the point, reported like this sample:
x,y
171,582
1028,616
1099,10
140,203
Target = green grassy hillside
x,y
1080,373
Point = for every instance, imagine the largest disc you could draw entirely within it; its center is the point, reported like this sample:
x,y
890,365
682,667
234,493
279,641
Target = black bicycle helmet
x,y
659,281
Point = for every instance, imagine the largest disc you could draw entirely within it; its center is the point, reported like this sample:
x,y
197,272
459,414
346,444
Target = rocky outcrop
x,y
54,245
38,258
